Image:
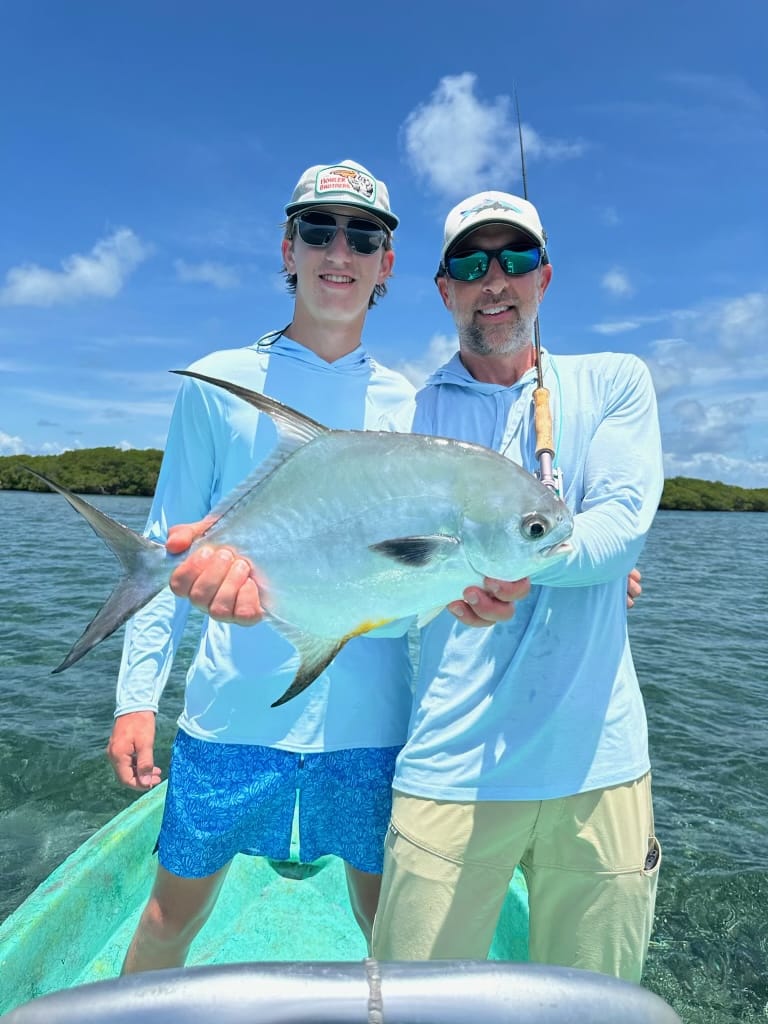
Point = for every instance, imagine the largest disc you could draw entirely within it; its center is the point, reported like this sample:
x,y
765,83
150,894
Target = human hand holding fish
x,y
493,602
225,585
215,579
634,589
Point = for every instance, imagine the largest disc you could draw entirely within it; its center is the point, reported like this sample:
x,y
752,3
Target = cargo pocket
x,y
653,850
652,857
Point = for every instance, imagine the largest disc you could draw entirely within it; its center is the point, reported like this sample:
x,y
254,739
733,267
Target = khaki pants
x,y
591,863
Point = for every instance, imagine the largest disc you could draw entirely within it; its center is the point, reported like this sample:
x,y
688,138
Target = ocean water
x,y
701,646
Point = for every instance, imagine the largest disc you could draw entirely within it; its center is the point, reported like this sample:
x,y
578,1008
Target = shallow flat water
x,y
699,639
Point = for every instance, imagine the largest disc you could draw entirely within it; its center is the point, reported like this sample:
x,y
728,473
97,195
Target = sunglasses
x,y
363,236
471,266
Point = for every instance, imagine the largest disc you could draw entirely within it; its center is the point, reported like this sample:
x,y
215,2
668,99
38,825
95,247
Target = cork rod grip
x,y
542,419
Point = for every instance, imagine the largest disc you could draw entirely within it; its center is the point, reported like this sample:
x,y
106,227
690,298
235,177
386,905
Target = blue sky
x,y
147,150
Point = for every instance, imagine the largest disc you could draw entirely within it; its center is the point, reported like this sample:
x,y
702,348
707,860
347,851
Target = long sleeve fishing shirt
x,y
214,441
548,704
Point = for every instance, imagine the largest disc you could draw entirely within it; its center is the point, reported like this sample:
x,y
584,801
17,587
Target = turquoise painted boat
x,y
76,926
282,945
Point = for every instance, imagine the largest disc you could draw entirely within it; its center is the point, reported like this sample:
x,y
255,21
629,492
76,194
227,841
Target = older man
x,y
528,743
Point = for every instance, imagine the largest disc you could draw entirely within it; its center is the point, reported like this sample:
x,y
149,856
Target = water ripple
x,y
699,640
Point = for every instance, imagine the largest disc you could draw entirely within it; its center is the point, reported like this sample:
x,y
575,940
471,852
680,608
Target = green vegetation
x,y
112,471
681,492
87,471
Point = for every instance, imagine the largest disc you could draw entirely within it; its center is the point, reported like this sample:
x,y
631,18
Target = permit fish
x,y
350,530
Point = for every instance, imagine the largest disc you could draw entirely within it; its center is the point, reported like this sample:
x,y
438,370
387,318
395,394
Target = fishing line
x,y
553,364
542,410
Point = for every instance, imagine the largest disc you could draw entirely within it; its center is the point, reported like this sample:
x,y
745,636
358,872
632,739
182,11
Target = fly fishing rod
x,y
542,410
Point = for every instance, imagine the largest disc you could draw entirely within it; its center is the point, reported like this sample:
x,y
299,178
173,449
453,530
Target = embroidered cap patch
x,y
345,180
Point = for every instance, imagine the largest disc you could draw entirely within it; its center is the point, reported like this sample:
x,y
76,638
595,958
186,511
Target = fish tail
x,y
146,569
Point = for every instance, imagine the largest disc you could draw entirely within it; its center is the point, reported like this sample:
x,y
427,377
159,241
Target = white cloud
x,y
102,274
617,327
141,381
621,326
721,90
724,343
460,144
711,426
616,282
742,320
677,364
54,448
100,409
711,378
609,216
244,235
129,341
716,440
11,445
217,274
715,466
670,364
276,282
14,366
439,351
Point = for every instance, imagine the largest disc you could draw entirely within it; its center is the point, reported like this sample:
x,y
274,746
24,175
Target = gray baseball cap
x,y
344,184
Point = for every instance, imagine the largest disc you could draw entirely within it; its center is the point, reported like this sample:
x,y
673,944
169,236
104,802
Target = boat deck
x,y
76,926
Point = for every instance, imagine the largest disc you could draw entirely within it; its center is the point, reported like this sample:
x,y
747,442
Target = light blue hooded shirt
x,y
214,441
548,704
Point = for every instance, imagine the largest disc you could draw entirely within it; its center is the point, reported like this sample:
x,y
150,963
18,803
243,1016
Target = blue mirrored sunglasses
x,y
471,266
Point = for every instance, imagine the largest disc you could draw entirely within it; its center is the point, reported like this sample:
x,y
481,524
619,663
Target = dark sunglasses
x,y
363,236
471,266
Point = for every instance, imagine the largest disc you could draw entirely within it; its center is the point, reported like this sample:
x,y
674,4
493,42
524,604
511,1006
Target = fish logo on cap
x,y
489,204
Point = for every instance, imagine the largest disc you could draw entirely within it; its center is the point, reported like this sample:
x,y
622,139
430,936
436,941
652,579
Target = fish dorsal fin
x,y
417,552
294,429
315,654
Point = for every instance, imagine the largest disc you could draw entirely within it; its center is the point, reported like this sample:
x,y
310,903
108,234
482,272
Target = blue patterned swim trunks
x,y
228,798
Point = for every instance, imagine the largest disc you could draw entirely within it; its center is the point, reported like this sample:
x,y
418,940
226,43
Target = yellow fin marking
x,y
366,627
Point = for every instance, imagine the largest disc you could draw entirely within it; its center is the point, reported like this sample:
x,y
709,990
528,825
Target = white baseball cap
x,y
345,184
492,208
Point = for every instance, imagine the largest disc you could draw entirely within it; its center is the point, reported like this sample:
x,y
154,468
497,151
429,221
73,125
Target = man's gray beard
x,y
472,337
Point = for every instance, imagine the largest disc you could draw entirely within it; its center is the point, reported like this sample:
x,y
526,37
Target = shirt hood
x,y
455,372
355,362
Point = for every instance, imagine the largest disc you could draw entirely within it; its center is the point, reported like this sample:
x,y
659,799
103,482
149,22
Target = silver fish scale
x,y
309,527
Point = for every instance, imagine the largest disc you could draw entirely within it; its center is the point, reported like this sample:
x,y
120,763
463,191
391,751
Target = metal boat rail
x,y
365,992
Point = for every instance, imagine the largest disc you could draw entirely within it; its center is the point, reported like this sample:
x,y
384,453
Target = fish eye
x,y
534,526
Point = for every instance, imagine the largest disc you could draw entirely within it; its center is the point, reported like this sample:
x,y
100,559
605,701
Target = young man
x,y
528,743
235,764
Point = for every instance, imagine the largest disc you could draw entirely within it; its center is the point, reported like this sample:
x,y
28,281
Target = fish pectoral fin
x,y
426,617
315,654
417,551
